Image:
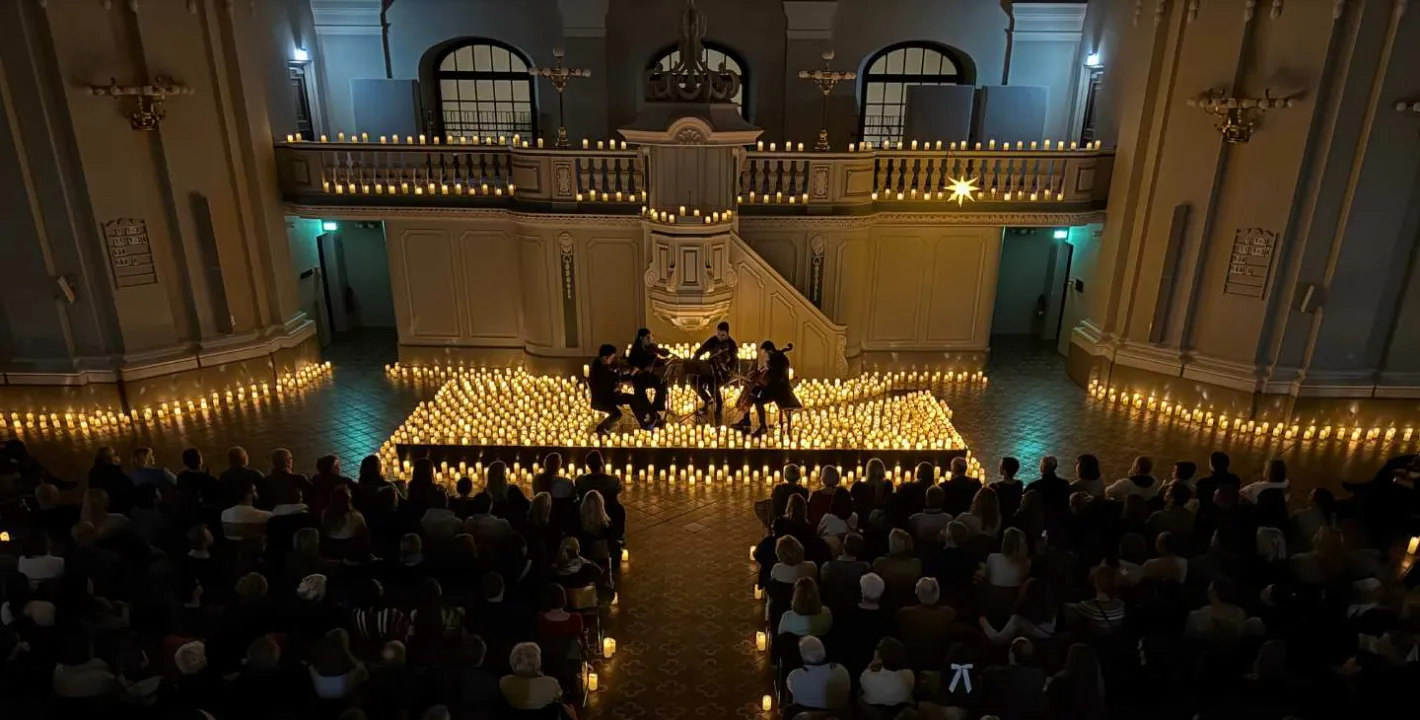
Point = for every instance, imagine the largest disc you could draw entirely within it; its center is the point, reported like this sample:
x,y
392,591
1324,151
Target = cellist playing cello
x,y
769,382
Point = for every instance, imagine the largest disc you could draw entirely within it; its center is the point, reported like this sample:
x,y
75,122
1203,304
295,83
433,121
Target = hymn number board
x,y
1251,262
129,253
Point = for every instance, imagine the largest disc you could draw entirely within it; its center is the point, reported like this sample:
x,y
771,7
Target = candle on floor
x,y
761,641
608,647
592,683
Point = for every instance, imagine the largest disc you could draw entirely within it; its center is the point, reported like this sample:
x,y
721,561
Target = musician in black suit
x,y
604,380
644,358
721,351
772,386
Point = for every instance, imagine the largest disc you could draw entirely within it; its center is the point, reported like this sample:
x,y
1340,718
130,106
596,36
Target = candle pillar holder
x,y
826,79
559,75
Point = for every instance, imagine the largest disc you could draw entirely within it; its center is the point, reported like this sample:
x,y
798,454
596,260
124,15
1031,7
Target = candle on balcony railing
x,y
773,147
364,137
852,147
579,197
599,145
759,146
502,140
801,147
322,138
290,138
939,145
586,143
1074,145
914,144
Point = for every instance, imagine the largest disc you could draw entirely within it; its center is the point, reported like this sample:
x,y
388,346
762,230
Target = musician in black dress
x,y
604,380
772,385
721,352
645,359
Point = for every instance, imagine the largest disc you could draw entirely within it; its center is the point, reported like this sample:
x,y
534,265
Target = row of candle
x,y
669,218
475,140
982,194
1239,424
605,196
350,187
927,145
513,407
231,396
778,198
691,473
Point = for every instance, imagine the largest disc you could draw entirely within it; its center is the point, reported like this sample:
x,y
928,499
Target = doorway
x,y
1031,291
354,267
301,90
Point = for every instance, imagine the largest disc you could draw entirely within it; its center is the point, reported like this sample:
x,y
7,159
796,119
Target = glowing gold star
x,y
962,190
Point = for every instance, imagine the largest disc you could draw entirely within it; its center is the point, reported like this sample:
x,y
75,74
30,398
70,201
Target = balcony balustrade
x,y
610,177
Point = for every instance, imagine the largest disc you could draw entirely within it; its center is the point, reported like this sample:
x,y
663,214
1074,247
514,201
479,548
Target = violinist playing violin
x,y
646,360
771,384
604,380
721,351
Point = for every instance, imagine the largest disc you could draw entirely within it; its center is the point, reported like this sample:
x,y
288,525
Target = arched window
x,y
894,69
716,57
483,88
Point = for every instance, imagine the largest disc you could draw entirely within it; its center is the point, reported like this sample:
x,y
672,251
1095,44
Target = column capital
x,y
583,18
810,19
346,17
1047,21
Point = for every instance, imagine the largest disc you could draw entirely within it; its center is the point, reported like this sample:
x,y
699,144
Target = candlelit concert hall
x,y
757,359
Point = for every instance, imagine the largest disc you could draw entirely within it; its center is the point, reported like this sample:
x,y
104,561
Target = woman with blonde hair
x,y
1010,567
541,531
595,529
791,565
807,614
984,518
496,485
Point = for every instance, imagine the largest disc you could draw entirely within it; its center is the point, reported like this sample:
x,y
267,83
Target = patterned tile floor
x,y
686,618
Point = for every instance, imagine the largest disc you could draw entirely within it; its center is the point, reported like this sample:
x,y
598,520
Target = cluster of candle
x,y
774,147
448,139
348,186
617,196
714,217
987,194
601,145
639,476
963,146
1240,425
99,419
515,408
778,198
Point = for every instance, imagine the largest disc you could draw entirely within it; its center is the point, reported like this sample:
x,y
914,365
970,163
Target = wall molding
x,y
1036,19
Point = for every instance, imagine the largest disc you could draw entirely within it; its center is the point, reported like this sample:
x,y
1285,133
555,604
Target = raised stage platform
x,y
479,416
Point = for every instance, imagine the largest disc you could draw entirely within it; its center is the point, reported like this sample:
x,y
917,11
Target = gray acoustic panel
x,y
1011,113
939,112
386,107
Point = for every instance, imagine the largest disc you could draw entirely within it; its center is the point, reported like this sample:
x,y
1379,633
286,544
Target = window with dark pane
x,y
485,90
883,88
716,57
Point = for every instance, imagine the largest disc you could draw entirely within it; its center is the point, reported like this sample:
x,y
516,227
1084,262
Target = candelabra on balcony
x,y
826,79
148,110
559,75
1238,116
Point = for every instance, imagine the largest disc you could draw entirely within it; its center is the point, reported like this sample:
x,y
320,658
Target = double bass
x,y
755,381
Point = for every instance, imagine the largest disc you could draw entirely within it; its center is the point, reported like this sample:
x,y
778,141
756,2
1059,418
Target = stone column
x,y
1257,254
180,260
584,35
808,33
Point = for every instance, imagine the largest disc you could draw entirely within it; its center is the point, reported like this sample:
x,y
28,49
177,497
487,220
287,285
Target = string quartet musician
x,y
604,380
771,384
720,352
647,360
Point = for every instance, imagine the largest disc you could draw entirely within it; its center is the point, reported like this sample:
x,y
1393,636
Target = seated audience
x,y
1140,482
527,688
889,680
807,614
927,526
818,684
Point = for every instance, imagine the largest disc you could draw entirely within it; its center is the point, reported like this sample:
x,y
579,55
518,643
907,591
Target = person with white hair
x,y
925,627
818,684
527,688
866,623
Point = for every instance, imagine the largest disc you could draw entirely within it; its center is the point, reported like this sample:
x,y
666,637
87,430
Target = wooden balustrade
x,y
315,171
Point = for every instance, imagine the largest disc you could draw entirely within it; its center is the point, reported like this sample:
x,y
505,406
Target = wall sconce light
x,y
330,226
148,108
1092,60
1238,115
300,55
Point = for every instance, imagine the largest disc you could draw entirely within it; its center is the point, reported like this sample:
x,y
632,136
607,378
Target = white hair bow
x,y
961,674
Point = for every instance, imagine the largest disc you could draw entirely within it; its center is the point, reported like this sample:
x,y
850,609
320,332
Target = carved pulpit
x,y
693,140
